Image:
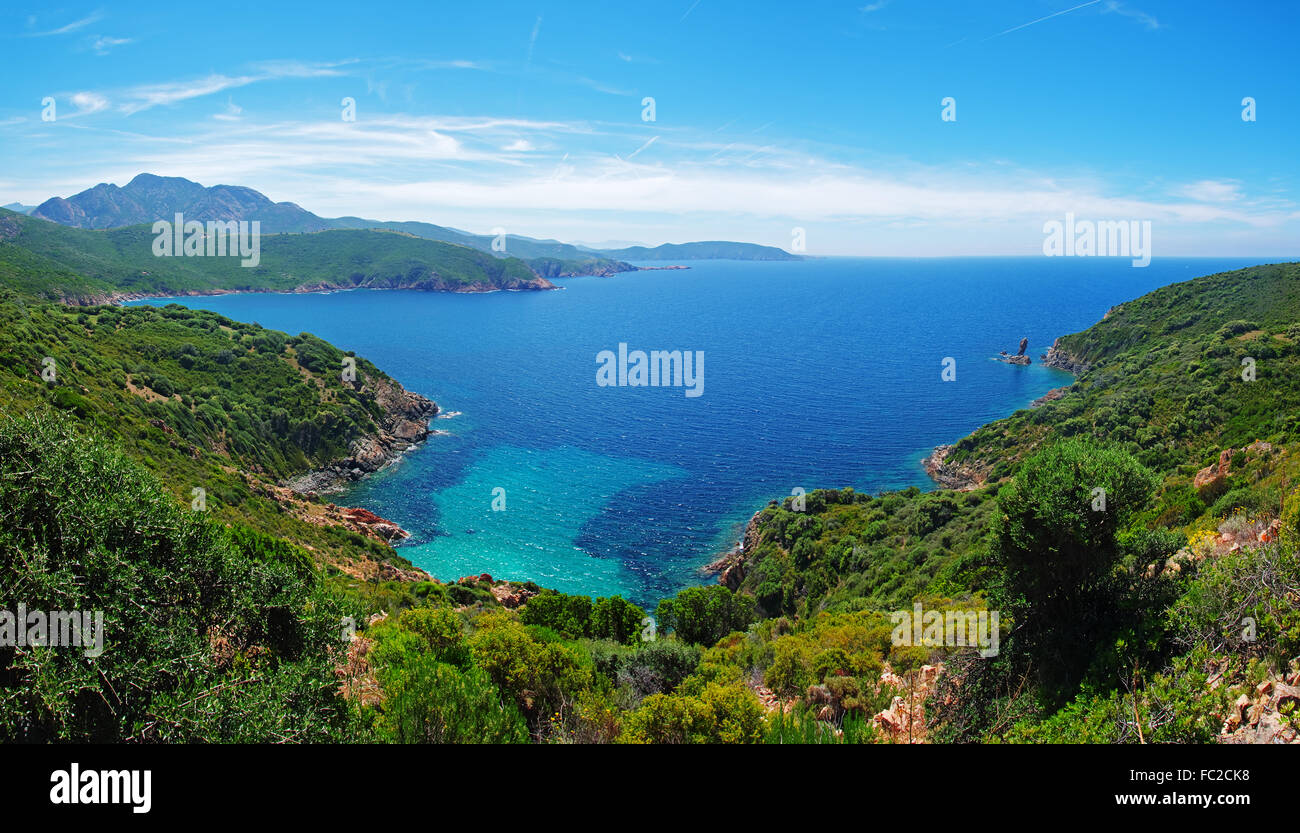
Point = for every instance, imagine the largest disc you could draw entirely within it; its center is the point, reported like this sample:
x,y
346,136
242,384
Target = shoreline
x,y
964,477
540,284
402,429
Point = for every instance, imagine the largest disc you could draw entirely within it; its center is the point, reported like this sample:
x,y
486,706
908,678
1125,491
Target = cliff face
x,y
403,422
732,567
1059,359
950,475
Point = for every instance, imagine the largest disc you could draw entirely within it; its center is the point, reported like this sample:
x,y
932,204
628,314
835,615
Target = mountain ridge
x,y
149,197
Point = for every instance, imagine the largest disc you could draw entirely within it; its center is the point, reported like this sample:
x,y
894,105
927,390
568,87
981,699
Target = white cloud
x,y
68,28
171,92
103,44
232,112
89,102
1208,190
1112,6
559,179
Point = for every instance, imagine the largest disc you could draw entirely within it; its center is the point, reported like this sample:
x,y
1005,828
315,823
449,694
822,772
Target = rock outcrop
x,y
1019,357
403,422
1061,360
732,566
1051,396
950,475
1214,475
1264,715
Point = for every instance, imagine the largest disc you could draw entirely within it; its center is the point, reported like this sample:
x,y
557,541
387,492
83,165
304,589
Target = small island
x,y
1019,357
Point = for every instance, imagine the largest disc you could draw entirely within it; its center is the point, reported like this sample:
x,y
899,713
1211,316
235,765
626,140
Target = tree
x,y
1056,541
617,619
703,615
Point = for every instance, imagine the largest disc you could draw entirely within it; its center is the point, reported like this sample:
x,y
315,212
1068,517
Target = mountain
x,y
148,198
710,250
19,207
51,261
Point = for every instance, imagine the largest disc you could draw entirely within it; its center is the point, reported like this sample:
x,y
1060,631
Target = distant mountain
x,y
19,207
710,250
149,198
49,261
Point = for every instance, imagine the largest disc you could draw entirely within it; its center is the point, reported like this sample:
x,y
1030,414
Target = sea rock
x,y
1019,357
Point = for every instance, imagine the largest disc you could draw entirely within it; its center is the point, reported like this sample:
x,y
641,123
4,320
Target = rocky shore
x,y
731,566
403,423
1059,359
950,475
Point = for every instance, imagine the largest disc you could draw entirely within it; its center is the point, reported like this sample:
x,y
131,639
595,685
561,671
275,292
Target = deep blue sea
x,y
819,373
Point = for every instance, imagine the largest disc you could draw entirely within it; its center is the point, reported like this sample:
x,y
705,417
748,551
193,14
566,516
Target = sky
x,y
772,122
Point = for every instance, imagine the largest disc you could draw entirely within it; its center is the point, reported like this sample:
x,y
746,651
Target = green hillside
x,y
1121,564
202,402
1174,562
58,262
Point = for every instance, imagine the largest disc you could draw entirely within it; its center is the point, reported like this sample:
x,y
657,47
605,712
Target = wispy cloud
x,y
647,144
1041,19
102,44
144,97
233,112
89,102
1209,190
1112,6
70,27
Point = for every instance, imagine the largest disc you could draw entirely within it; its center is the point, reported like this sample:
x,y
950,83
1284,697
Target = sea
x,y
820,373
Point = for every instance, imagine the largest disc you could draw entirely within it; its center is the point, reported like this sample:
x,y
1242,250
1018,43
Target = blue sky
x,y
768,116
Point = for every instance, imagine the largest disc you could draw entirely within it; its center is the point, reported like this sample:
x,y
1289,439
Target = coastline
x,y
403,427
964,477
539,284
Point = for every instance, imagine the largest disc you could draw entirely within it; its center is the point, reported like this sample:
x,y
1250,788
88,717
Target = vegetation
x,y
53,262
202,401
1139,539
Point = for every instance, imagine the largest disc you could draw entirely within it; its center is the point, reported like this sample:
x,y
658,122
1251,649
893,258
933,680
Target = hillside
x,y
212,404
1195,533
148,197
1119,621
1162,377
79,266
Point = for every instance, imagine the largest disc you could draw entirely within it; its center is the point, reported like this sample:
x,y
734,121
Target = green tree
x,y
703,615
1056,541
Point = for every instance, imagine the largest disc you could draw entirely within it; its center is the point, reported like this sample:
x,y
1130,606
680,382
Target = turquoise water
x,y
821,373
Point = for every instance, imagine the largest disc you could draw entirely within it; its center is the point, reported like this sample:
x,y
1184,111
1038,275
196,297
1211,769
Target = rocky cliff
x,y
950,475
1059,359
403,422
